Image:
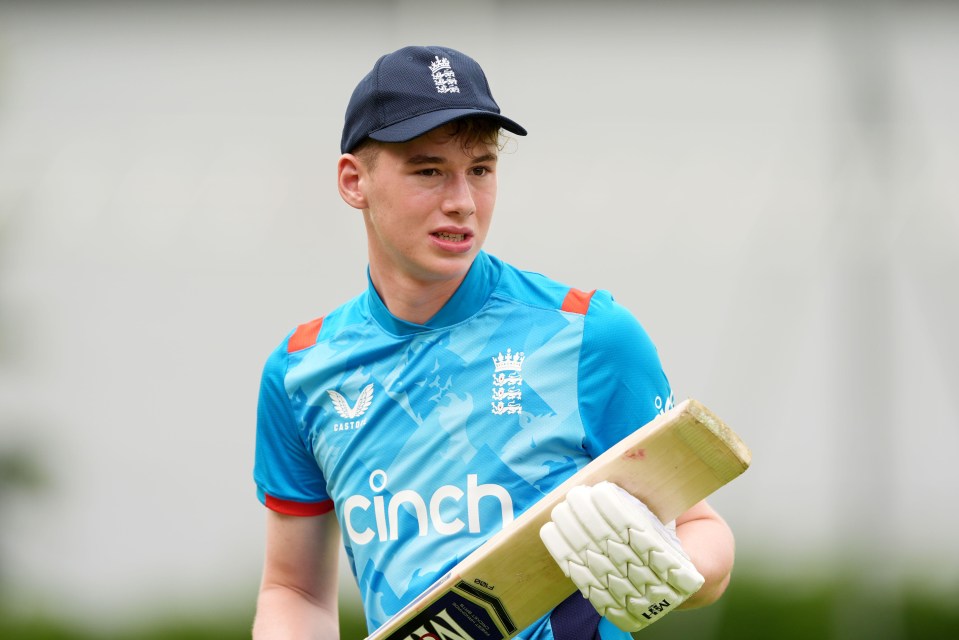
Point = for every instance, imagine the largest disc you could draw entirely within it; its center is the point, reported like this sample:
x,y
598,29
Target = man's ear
x,y
348,173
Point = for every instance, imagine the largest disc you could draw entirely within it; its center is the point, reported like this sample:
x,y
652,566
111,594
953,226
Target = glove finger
x,y
620,588
583,578
622,618
572,529
663,559
601,566
641,577
583,501
620,554
668,564
610,505
558,546
623,510
686,580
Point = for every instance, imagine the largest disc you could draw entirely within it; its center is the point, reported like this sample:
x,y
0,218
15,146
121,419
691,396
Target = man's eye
x,y
429,172
480,171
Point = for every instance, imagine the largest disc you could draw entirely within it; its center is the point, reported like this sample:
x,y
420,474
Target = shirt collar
x,y
465,302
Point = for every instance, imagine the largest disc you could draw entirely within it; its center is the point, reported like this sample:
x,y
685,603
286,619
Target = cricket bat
x,y
511,581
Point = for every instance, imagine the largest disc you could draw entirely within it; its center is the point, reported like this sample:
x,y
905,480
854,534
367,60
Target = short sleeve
x,y
622,385
288,478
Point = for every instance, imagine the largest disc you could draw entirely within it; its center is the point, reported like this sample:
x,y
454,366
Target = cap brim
x,y
418,125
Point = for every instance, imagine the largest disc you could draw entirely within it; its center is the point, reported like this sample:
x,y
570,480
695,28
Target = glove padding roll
x,y
629,565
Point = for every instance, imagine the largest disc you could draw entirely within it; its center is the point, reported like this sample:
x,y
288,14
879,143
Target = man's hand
x,y
629,565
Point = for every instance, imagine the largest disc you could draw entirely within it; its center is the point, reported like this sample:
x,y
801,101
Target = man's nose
x,y
459,197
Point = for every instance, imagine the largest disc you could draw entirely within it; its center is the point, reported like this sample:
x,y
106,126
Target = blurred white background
x,y
770,187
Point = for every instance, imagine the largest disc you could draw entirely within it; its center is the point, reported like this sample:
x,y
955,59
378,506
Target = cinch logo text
x,y
428,512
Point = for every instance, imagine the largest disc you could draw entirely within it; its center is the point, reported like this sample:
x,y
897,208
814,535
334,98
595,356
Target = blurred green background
x,y
751,609
770,187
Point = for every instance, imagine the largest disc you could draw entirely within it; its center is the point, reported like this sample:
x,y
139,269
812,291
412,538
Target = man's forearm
x,y
710,544
285,614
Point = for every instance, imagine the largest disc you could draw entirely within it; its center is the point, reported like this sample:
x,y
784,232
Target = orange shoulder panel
x,y
305,336
578,301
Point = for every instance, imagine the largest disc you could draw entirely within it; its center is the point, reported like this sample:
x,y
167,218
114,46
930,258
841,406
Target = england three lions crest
x,y
443,76
508,383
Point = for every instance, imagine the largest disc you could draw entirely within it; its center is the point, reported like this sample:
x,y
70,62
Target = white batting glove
x,y
629,565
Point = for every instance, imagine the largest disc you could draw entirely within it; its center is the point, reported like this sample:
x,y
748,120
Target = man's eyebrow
x,y
421,159
425,159
489,157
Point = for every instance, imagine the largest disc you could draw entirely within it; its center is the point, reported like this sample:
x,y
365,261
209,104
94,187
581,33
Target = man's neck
x,y
410,299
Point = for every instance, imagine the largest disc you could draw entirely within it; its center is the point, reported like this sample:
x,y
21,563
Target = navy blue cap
x,y
414,90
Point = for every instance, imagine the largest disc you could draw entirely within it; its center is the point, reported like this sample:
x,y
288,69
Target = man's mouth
x,y
453,237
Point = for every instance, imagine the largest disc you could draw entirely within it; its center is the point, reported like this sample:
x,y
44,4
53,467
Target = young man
x,y
414,421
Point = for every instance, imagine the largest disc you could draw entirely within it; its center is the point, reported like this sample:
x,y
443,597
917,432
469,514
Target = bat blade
x,y
511,580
